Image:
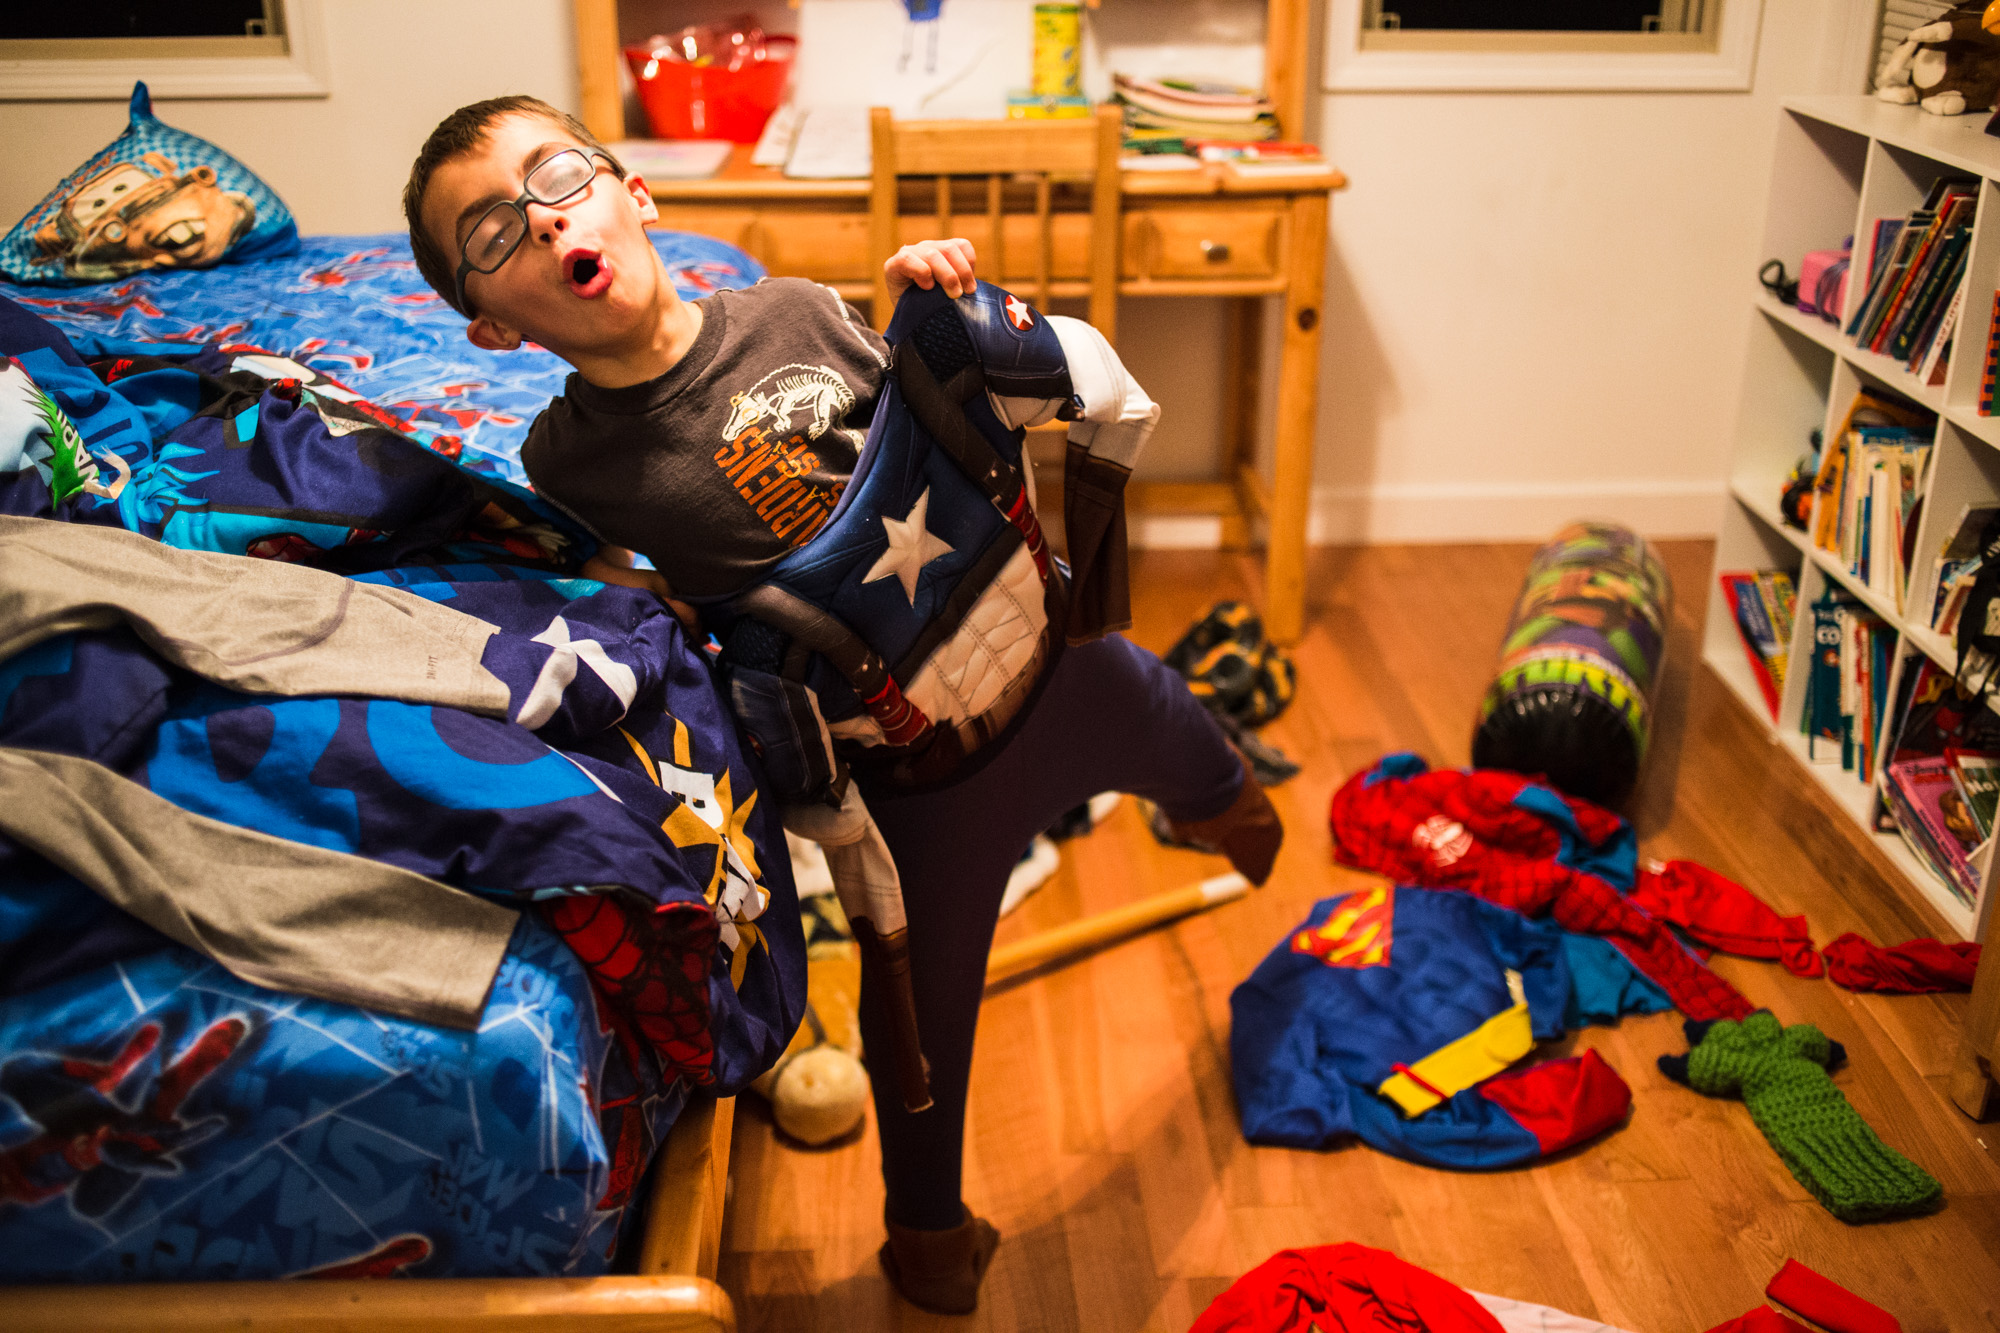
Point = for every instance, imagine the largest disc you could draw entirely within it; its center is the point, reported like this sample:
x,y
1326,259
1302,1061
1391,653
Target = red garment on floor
x,y
1909,968
1345,1288
1763,1319
1562,1102
1523,845
1724,915
1826,1302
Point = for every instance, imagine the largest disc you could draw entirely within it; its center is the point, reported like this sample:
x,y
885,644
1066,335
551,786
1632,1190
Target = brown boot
x,y
940,1271
1248,832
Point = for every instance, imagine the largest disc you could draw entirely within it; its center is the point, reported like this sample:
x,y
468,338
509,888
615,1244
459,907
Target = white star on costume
x,y
1017,312
911,547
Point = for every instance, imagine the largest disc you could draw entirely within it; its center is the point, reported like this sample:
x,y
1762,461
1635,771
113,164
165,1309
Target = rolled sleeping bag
x,y
1572,700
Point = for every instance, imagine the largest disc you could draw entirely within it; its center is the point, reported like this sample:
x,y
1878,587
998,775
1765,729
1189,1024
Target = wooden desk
x,y
1195,233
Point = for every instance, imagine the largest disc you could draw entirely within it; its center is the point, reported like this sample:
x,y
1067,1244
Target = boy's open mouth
x,y
586,273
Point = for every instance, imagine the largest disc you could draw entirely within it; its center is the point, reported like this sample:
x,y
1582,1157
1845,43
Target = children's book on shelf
x,y
1762,602
1989,369
1870,484
1934,819
1958,564
1978,779
1848,685
1942,779
1936,360
1933,714
1917,266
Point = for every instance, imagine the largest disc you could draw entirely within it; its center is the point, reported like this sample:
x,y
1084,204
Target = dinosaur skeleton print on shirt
x,y
736,455
767,447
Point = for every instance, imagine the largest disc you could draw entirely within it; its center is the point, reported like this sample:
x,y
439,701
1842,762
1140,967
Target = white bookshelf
x,y
1841,163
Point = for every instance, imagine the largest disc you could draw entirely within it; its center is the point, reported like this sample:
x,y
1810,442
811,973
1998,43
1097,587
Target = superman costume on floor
x,y
1394,1014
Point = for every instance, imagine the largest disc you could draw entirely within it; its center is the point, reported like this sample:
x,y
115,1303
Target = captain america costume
x,y
919,614
926,643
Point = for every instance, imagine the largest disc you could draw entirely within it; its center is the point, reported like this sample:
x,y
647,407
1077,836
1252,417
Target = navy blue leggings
x,y
1110,717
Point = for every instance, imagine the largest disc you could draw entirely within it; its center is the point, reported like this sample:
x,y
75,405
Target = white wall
x,y
397,67
1537,302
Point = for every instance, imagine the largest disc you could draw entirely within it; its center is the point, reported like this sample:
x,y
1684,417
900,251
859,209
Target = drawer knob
x,y
1215,252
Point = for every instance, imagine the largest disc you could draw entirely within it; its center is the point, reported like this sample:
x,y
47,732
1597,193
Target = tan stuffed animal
x,y
819,1090
1949,66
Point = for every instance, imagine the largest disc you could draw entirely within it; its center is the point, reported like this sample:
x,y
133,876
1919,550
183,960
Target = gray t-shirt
x,y
717,469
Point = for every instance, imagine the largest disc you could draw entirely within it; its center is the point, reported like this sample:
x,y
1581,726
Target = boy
x,y
524,223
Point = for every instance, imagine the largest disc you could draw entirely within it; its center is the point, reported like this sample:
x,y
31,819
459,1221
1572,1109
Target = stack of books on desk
x,y
1161,115
1272,157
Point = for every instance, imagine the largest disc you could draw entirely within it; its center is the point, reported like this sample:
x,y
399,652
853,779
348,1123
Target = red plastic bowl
x,y
712,101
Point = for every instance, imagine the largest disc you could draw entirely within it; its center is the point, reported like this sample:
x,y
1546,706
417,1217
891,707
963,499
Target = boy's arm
x,y
613,564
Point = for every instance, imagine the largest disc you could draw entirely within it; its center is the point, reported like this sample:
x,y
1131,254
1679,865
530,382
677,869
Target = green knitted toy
x,y
1780,1073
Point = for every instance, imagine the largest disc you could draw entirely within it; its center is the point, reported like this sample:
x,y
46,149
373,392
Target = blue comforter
x,y
162,1119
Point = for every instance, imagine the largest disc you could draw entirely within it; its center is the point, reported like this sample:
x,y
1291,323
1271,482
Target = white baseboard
x,y
1479,513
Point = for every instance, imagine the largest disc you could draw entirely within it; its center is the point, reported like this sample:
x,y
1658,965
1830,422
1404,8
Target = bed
x,y
231,1134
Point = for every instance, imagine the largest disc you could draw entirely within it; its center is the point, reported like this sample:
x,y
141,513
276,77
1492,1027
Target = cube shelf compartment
x,y
1840,164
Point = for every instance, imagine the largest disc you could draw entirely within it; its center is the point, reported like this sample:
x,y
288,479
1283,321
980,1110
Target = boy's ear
x,y
492,335
642,195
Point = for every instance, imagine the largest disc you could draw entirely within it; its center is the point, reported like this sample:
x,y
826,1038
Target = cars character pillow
x,y
155,197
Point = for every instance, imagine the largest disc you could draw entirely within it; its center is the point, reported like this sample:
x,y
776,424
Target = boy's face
x,y
584,279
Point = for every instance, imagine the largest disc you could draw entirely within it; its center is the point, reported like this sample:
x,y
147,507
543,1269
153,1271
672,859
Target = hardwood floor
x,y
1103,1137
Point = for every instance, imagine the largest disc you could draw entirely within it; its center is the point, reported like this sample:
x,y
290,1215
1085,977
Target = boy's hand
x,y
928,263
613,564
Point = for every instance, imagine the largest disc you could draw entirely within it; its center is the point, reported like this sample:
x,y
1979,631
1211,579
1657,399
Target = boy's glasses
x,y
501,228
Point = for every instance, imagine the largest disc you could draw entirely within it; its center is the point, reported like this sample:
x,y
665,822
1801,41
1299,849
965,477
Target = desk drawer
x,y
1209,238
826,245
1212,240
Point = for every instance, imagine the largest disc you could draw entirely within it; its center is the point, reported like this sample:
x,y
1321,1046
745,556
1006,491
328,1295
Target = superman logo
x,y
1357,934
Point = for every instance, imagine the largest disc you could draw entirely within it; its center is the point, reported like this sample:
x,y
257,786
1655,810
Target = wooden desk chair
x,y
1043,150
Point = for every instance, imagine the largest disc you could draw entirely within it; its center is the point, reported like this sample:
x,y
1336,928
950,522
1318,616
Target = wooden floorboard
x,y
1103,1136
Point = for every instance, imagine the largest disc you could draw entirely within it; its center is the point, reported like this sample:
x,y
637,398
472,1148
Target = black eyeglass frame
x,y
519,206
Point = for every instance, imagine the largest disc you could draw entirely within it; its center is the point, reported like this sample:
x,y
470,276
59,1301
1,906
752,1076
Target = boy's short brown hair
x,y
456,135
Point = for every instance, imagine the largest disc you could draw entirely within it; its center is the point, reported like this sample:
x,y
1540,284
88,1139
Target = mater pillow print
x,y
154,197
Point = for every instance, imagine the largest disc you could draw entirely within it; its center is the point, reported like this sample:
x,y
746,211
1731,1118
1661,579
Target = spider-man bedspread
x,y
162,1118
355,308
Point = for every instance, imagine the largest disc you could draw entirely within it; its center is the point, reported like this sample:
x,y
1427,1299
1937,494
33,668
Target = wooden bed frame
x,y
675,1289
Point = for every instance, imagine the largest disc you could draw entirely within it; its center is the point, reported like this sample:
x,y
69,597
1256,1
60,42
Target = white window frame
x,y
1728,68
300,72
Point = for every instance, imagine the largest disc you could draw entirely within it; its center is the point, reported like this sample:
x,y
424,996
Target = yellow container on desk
x,y
1058,70
1027,106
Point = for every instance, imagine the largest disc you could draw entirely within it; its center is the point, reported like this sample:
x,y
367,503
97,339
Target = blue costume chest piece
x,y
919,615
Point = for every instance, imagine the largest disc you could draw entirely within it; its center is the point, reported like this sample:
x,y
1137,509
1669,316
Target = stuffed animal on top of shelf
x,y
1949,66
